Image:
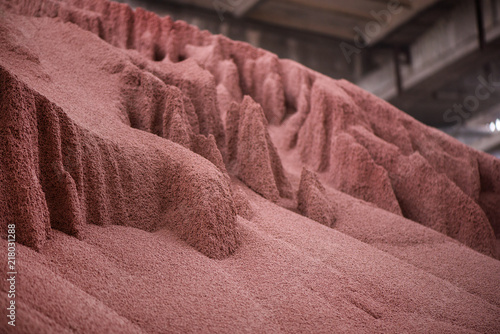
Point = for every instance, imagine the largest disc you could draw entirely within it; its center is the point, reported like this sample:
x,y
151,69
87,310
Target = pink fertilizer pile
x,y
165,180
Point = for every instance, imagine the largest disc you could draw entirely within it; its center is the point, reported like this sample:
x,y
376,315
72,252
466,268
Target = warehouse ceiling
x,y
335,18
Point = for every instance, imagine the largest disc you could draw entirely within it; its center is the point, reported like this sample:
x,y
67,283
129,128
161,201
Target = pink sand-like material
x,y
163,179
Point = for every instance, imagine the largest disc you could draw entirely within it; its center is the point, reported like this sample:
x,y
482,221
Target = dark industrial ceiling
x,y
334,18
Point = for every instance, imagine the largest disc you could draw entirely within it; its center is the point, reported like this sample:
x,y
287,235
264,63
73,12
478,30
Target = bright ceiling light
x,y
492,127
498,124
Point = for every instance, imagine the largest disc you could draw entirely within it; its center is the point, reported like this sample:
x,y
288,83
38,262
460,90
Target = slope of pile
x,y
153,172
